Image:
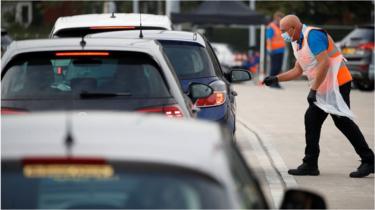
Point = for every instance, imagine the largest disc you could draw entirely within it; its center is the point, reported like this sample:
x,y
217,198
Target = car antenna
x,y
113,15
140,26
69,140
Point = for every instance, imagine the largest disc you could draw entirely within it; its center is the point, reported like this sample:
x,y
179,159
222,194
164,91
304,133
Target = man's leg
x,y
314,118
352,132
276,64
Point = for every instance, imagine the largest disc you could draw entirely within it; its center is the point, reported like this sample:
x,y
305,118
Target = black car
x,y
358,48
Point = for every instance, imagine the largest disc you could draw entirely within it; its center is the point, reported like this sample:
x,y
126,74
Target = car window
x,y
214,60
121,186
190,60
83,31
47,76
246,184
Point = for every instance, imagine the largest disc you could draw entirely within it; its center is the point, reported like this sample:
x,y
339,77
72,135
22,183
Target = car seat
x,y
39,76
132,79
79,85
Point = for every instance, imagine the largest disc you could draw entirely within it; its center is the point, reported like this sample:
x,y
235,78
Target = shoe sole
x,y
305,174
364,175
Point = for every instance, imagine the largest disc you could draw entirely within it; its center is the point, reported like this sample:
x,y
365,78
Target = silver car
x,y
93,74
92,161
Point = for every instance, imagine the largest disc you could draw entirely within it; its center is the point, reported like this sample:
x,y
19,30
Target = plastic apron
x,y
328,97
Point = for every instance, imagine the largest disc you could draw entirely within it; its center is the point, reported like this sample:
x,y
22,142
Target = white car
x,y
93,74
126,161
79,25
224,54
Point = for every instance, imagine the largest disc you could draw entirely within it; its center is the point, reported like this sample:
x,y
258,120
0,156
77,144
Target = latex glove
x,y
311,98
270,80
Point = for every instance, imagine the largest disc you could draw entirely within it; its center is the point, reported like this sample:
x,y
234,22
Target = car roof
x,y
155,35
118,136
40,45
106,19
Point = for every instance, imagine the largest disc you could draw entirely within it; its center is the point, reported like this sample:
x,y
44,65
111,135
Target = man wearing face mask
x,y
330,81
275,46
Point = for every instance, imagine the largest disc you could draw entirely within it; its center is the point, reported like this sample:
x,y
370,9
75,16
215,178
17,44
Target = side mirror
x,y
239,75
300,199
198,90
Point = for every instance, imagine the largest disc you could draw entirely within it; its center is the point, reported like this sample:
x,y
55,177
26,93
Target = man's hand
x,y
270,80
311,98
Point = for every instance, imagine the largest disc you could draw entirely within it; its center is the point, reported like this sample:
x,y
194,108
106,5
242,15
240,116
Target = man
x,y
275,46
330,82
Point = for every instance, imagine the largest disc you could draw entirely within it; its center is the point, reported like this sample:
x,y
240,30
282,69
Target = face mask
x,y
286,36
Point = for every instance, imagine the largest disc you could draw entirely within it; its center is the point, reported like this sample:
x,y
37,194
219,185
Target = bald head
x,y
292,25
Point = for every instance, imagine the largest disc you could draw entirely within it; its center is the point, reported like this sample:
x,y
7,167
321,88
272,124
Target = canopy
x,y
221,12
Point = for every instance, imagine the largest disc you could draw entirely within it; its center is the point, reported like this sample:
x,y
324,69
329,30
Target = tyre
x,y
365,85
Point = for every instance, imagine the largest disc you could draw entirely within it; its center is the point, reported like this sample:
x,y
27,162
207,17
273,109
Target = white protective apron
x,y
328,94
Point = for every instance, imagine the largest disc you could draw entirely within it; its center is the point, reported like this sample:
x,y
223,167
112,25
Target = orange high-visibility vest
x,y
276,42
343,76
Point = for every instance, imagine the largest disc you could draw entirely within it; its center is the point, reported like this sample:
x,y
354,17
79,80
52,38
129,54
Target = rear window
x,y
121,186
190,60
361,34
59,76
83,31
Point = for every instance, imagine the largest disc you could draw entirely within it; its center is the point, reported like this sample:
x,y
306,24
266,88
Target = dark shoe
x,y
276,86
363,170
305,170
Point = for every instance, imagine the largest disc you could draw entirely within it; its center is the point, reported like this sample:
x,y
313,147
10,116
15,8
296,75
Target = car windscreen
x,y
107,186
61,75
360,34
190,60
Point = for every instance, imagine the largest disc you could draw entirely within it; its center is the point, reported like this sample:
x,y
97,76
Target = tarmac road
x,y
270,131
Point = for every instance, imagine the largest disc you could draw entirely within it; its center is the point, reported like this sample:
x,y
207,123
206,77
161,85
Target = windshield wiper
x,y
86,94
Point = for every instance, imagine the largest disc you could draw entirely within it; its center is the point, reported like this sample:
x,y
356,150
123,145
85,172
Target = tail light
x,y
111,27
367,46
170,111
6,111
217,98
83,53
67,167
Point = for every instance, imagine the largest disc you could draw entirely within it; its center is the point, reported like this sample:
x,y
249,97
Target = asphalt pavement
x,y
270,131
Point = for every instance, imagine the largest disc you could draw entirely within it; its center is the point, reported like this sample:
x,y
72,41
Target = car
x,y
5,40
80,25
194,60
69,160
93,74
358,48
224,54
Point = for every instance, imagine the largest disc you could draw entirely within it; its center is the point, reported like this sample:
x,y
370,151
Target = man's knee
x,y
343,122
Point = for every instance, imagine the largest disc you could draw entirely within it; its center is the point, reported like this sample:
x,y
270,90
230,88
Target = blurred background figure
x,y
275,46
252,61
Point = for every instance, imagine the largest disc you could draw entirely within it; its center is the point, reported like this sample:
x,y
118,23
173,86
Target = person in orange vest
x,y
275,46
330,82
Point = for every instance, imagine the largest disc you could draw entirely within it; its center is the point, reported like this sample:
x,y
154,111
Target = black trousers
x,y
276,65
314,119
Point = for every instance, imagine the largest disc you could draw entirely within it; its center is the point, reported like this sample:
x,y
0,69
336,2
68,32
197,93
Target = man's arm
x,y
321,69
291,74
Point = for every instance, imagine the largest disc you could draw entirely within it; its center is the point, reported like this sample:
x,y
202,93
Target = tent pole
x,y
135,6
262,52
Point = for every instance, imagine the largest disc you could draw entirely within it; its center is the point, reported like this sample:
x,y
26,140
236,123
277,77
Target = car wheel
x,y
366,85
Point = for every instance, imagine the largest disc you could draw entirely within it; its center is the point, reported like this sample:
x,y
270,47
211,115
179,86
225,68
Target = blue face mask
x,y
286,36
